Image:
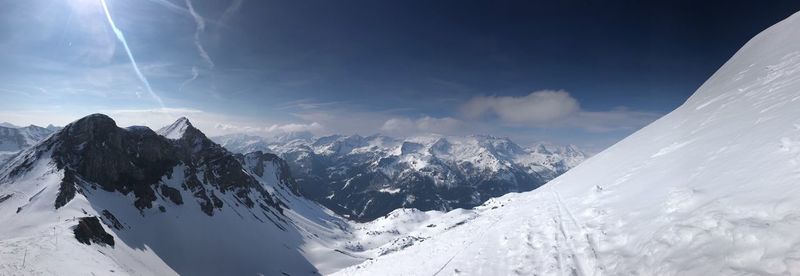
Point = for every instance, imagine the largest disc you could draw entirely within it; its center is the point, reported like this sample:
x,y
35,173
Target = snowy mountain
x,y
177,129
364,178
243,143
13,139
8,125
94,197
709,189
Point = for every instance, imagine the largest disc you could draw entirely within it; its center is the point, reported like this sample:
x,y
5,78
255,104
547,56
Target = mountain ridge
x,y
366,177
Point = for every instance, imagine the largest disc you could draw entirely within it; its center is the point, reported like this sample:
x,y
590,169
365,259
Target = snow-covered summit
x,y
709,189
176,130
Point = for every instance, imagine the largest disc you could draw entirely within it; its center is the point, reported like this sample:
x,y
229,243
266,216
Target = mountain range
x,y
364,178
14,139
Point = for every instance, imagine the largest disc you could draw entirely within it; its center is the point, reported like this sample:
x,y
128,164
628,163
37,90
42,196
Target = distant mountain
x,y
364,178
7,124
244,143
13,139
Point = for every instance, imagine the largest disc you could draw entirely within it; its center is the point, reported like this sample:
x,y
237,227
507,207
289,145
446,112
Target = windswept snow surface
x,y
709,189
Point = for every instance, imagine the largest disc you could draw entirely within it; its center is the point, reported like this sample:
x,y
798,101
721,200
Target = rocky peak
x,y
178,129
90,126
116,159
94,153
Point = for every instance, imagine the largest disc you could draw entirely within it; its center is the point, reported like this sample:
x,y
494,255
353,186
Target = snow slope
x,y
709,189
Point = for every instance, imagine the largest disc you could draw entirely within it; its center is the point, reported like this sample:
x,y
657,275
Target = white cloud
x,y
554,109
538,107
312,127
272,130
406,126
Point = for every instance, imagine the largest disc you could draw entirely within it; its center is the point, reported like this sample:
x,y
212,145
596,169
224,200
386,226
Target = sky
x,y
568,72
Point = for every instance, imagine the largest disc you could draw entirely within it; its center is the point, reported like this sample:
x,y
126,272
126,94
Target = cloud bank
x,y
552,109
426,124
537,107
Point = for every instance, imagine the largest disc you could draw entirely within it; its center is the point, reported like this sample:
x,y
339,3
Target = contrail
x,y
201,26
170,6
195,74
233,8
121,38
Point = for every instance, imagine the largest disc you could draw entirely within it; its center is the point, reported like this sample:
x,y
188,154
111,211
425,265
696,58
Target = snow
x,y
709,189
175,130
389,190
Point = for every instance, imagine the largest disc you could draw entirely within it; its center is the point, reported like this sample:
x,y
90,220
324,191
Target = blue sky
x,y
581,72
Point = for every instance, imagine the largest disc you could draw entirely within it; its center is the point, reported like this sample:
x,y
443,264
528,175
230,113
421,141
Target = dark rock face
x,y
173,194
67,189
89,230
110,220
114,158
5,197
93,150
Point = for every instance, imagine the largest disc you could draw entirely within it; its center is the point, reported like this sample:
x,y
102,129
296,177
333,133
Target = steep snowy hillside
x,y
365,178
13,139
709,189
